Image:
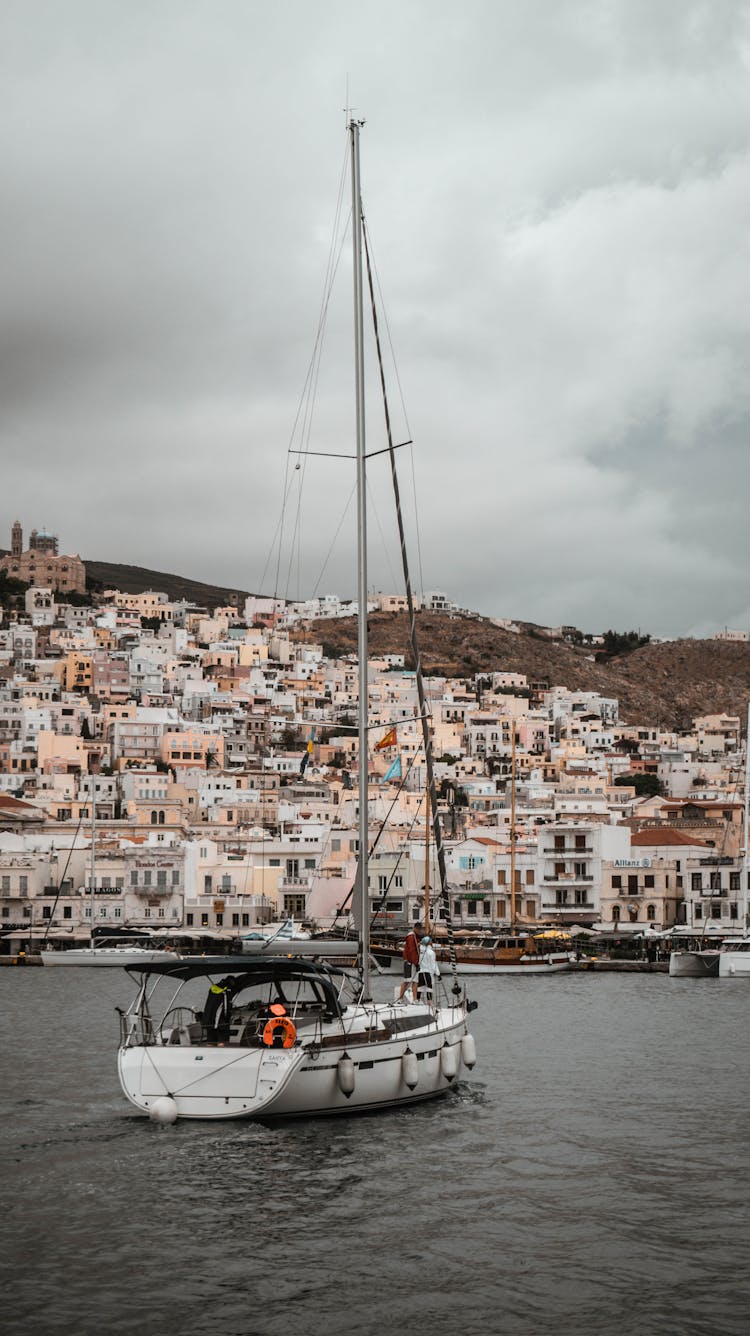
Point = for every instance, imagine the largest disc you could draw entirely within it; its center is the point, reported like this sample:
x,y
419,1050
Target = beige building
x,y
41,565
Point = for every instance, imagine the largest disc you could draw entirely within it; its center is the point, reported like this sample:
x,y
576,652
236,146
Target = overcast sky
x,y
557,193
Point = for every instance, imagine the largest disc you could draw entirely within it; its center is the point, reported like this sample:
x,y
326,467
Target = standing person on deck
x,y
410,954
427,969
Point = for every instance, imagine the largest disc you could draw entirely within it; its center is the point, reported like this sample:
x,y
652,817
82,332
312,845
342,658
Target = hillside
x,y
136,579
663,684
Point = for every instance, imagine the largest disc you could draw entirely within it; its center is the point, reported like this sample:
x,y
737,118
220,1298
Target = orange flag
x,y
389,740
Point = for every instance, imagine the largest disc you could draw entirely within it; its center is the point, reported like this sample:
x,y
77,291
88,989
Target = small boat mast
x,y
359,394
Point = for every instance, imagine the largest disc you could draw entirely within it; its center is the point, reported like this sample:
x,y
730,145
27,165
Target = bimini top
x,y
255,969
249,971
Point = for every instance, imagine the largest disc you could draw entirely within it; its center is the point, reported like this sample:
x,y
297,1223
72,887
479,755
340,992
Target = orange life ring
x,y
280,1028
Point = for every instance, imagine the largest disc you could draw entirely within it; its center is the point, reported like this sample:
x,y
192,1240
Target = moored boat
x,y
250,1035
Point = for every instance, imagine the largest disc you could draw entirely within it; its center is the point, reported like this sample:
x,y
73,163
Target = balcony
x,y
569,878
142,889
569,851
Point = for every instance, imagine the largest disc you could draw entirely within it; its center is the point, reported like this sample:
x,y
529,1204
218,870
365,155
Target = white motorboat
x,y
734,958
286,1035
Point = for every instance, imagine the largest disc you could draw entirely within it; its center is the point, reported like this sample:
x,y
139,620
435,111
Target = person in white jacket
x,y
427,968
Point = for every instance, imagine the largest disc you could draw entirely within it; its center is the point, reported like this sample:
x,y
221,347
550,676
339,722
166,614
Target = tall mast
x,y
427,861
93,854
359,391
513,825
746,853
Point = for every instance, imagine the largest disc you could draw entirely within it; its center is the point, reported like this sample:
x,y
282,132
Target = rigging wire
x,y
62,879
302,418
438,835
394,363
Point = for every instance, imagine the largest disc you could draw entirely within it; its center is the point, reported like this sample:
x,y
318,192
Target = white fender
x,y
468,1051
163,1111
449,1060
345,1074
409,1069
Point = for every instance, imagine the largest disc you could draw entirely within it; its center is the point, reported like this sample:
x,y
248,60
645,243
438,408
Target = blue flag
x,y
393,771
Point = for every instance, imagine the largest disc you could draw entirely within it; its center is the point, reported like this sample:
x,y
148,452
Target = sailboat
x,y
246,1037
102,951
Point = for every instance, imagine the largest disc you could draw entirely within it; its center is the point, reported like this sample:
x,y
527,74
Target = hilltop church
x,y
41,565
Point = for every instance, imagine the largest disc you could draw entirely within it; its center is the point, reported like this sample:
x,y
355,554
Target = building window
x,y
648,881
471,908
189,920
457,909
67,911
486,908
615,913
696,881
650,913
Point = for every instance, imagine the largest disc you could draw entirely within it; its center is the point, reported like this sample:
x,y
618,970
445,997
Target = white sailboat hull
x,y
106,955
219,1082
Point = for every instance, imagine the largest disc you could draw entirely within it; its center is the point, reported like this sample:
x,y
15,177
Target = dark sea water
x,y
591,1176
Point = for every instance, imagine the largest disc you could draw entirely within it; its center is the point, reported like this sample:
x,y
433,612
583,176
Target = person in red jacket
x,y
410,954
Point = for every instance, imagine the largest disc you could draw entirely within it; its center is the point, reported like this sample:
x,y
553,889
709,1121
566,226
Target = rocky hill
x,y
137,579
664,685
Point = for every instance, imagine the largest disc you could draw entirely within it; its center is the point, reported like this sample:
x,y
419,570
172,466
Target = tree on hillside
x,y
645,785
623,642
